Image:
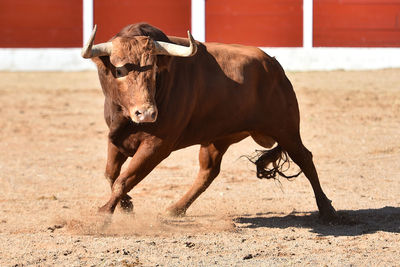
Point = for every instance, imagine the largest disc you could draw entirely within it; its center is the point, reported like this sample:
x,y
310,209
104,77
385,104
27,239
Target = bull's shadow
x,y
365,221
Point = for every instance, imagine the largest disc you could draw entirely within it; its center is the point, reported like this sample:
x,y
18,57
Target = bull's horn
x,y
169,49
90,50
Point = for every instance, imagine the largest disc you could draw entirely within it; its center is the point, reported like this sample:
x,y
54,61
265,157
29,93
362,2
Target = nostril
x,y
138,113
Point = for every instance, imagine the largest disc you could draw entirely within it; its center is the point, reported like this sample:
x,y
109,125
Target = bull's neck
x,y
162,87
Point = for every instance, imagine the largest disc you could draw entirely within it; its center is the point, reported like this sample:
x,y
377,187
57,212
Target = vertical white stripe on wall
x,y
87,26
307,23
199,20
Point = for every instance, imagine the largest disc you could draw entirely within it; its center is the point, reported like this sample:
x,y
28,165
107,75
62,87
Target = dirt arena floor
x,y
52,159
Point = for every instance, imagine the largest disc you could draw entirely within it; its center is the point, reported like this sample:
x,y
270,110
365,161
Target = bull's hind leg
x,y
303,158
115,159
210,157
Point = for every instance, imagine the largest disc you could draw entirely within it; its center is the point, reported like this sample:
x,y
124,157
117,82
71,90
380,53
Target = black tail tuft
x,y
277,157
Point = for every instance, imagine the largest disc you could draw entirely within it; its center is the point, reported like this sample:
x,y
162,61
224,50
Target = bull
x,y
164,93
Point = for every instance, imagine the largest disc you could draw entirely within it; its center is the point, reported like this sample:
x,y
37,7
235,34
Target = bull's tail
x,y
271,163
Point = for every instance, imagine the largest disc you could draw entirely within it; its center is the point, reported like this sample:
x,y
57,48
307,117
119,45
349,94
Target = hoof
x,y
339,219
331,217
105,217
105,210
126,204
327,213
175,212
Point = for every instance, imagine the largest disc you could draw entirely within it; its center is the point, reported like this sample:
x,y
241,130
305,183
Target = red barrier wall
x,y
40,23
172,17
343,23
255,22
357,23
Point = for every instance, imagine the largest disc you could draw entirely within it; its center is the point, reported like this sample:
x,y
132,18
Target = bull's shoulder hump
x,y
232,50
235,59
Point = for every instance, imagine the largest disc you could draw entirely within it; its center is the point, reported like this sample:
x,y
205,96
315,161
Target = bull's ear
x,y
149,44
103,65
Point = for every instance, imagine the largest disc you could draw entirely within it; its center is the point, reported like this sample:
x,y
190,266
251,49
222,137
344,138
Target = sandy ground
x,y
52,159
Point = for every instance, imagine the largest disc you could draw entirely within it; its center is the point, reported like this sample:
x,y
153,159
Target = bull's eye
x,y
120,72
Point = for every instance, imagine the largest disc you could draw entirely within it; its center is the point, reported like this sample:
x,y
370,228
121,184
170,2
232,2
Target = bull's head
x,y
134,68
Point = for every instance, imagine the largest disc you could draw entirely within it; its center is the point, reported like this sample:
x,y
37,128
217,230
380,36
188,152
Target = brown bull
x,y
165,93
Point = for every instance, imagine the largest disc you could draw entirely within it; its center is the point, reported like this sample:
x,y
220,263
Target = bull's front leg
x,y
142,163
115,160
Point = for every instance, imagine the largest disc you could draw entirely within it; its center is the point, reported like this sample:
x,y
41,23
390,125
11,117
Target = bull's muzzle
x,y
144,114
